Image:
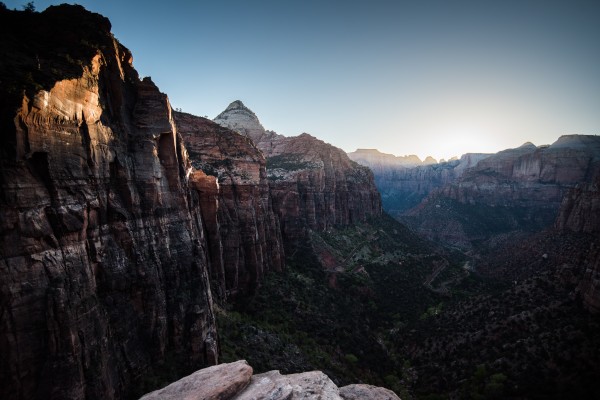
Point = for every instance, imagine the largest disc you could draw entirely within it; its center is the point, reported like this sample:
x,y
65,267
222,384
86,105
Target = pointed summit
x,y
238,105
241,119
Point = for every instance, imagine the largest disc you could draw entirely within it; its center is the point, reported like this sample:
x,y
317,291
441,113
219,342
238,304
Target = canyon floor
x,y
376,304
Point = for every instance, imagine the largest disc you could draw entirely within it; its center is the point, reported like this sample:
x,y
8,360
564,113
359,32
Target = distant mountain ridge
x,y
375,159
514,189
405,181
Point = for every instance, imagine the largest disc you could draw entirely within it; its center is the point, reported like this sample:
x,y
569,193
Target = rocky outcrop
x,y
313,184
222,381
103,273
247,229
235,381
514,190
361,391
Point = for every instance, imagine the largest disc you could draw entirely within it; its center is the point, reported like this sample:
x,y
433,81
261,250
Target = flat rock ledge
x,y
235,381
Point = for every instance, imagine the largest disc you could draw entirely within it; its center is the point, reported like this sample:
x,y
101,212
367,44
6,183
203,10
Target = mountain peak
x,y
236,105
242,120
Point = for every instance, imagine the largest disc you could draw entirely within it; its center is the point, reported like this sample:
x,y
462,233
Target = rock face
x,y
103,272
514,190
246,225
580,213
405,181
241,119
218,382
358,392
235,381
313,184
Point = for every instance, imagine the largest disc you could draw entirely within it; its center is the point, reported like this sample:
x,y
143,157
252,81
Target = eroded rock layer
x,y
103,272
313,184
515,190
248,228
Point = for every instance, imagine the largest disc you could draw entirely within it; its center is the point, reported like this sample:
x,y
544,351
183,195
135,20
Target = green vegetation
x,y
344,319
288,162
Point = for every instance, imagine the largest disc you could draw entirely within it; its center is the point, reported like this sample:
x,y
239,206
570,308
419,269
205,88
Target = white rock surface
x,y
234,381
219,382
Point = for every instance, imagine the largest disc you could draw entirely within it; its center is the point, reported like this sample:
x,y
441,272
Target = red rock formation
x,y
103,272
249,229
313,184
514,190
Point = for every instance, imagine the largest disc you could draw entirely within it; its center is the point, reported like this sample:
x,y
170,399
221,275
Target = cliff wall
x,y
249,229
515,190
313,184
103,273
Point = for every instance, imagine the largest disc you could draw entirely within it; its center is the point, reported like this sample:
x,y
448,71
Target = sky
x,y
437,78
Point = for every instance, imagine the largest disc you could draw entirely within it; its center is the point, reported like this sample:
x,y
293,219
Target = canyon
x,y
123,221
144,248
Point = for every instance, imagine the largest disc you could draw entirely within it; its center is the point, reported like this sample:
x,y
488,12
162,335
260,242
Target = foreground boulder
x,y
235,381
217,382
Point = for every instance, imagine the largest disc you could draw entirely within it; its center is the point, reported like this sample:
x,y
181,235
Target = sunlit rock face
x,y
379,161
313,184
103,267
530,175
241,119
249,231
514,190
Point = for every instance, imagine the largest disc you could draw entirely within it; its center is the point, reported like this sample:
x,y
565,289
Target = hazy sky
x,y
436,78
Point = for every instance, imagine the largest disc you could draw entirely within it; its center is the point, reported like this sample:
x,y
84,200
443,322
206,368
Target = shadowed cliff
x,y
104,277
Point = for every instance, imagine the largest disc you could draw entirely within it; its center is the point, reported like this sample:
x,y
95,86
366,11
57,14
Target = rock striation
x,y
246,234
313,184
103,267
518,189
235,381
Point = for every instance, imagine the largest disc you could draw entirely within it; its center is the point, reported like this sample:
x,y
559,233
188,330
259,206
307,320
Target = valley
x,y
139,244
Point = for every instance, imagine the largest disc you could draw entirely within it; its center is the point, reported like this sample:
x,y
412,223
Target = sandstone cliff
x,y
313,184
514,190
103,273
246,228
